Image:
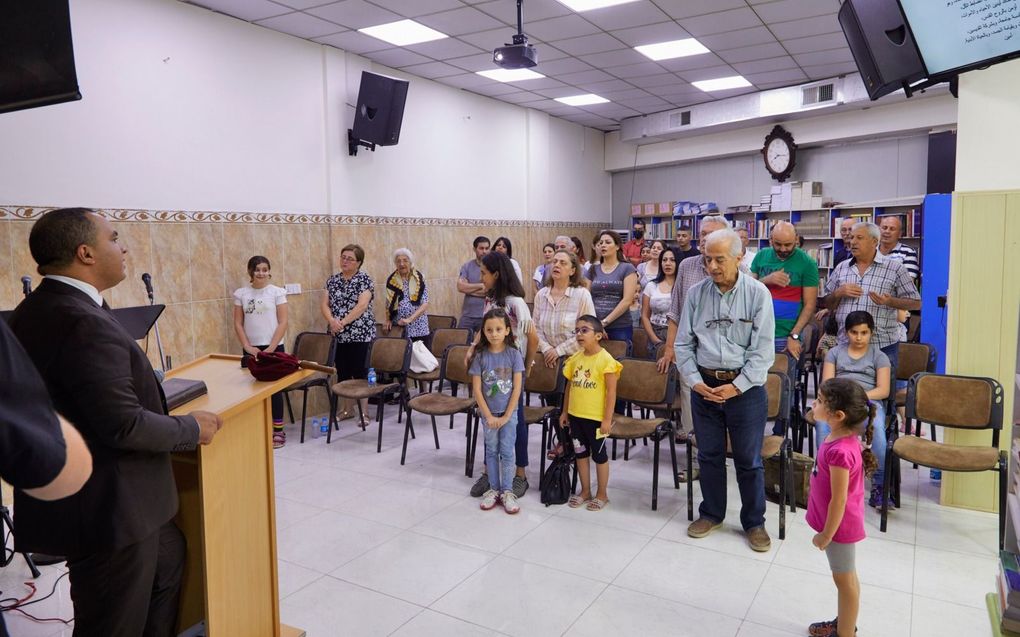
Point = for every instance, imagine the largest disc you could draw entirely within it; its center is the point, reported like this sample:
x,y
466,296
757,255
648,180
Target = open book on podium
x,y
228,507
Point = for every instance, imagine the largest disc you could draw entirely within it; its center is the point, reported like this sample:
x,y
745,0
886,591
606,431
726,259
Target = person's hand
x,y
703,390
794,347
607,426
208,424
850,290
564,420
820,541
880,299
668,357
496,423
550,357
467,356
779,278
252,350
403,322
820,315
335,325
725,392
387,325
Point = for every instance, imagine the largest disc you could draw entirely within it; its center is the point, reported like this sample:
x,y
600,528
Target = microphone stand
x,y
159,342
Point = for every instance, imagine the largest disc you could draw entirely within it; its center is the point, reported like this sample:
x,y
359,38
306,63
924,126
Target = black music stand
x,y
138,320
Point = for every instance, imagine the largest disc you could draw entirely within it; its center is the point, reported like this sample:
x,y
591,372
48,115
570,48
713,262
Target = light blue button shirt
x,y
727,331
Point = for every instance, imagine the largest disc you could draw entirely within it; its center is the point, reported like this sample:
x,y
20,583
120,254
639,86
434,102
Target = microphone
x,y
147,280
26,285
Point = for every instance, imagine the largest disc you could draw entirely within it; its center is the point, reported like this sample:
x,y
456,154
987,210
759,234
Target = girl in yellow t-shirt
x,y
588,402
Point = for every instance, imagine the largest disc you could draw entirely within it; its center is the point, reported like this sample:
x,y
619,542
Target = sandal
x,y
681,437
681,475
365,422
596,505
576,501
344,415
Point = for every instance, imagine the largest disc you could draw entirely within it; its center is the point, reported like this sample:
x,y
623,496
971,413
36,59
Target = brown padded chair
x,y
777,388
639,343
442,338
441,322
317,347
641,383
396,331
616,349
543,381
436,403
961,402
387,355
913,358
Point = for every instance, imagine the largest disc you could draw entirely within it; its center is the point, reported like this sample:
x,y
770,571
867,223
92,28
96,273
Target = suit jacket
x,y
102,382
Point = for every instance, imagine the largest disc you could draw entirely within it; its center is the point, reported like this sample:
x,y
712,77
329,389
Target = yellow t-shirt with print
x,y
587,378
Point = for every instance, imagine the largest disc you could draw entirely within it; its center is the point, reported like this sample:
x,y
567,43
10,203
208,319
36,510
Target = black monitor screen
x,y
955,35
36,55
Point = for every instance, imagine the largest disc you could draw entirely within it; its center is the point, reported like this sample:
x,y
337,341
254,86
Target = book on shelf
x,y
858,217
695,208
824,255
910,222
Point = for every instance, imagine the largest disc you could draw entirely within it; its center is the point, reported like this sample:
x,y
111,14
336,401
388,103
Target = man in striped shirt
x,y
891,227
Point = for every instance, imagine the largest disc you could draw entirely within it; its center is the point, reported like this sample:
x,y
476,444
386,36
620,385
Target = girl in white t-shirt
x,y
260,322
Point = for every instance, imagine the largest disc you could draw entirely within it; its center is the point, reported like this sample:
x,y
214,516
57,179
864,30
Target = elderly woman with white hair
x,y
407,297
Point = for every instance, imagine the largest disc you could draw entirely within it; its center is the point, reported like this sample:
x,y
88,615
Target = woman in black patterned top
x,y
347,307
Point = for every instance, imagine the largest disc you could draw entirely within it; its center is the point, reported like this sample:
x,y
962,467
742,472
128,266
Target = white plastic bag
x,y
422,360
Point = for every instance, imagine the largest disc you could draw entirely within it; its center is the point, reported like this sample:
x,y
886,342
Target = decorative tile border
x,y
186,216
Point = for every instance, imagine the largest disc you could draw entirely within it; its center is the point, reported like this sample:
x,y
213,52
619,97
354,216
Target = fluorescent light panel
x,y
582,100
403,33
587,5
721,83
510,75
672,49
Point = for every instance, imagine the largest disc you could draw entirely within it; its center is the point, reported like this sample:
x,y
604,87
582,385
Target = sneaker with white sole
x,y
480,486
520,486
489,500
510,502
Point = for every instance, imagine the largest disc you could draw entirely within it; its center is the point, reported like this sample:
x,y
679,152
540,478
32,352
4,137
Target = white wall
x,y
191,110
988,136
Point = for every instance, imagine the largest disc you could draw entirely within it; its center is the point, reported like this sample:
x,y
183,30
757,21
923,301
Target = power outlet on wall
x,y
293,288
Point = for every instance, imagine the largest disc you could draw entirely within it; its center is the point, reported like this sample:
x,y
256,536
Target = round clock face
x,y
777,155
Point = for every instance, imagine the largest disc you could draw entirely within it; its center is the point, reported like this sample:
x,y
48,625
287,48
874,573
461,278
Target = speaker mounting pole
x,y
353,143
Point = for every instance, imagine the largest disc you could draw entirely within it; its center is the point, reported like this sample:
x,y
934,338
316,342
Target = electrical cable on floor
x,y
19,604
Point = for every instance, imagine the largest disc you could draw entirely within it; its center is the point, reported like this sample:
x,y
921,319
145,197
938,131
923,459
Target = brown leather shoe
x,y
702,527
758,539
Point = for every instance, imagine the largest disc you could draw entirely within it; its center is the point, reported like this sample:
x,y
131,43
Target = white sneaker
x,y
510,502
489,500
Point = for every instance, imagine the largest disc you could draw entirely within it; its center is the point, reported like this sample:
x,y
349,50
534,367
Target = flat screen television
x,y
36,54
954,36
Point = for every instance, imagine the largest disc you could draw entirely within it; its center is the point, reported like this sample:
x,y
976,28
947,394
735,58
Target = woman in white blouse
x,y
557,307
656,299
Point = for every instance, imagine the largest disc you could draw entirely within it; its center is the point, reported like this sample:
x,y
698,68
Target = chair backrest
x,y
777,387
454,369
616,349
781,365
660,350
641,382
914,328
914,358
317,347
447,336
390,354
396,331
809,339
545,380
963,402
639,344
439,321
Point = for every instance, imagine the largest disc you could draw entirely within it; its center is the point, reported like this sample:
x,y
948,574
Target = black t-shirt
x,y
689,252
32,450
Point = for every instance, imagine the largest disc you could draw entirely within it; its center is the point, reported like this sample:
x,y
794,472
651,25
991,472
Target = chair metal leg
x,y
304,405
333,422
541,464
672,457
690,481
885,485
614,449
655,476
472,443
290,410
379,417
782,495
407,429
435,432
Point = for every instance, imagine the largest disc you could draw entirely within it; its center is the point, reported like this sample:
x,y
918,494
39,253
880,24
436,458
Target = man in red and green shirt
x,y
791,276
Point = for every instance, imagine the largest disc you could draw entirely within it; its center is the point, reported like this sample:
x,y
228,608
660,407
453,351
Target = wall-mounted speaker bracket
x,y
352,144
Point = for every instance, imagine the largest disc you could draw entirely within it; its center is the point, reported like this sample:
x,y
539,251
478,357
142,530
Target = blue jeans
x,y
499,454
744,418
621,334
878,441
893,352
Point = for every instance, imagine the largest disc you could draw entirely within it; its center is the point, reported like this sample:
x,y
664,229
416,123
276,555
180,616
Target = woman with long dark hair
x,y
503,245
614,284
657,298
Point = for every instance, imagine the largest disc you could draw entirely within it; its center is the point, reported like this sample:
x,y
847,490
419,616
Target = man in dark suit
x,y
125,554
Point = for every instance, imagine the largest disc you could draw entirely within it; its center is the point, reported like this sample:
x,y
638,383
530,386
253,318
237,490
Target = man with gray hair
x,y
563,242
724,351
875,283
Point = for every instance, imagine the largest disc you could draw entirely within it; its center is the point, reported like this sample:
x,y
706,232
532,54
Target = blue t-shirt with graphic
x,y
497,373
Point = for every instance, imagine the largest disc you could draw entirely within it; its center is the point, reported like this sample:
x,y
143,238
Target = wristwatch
x,y
795,337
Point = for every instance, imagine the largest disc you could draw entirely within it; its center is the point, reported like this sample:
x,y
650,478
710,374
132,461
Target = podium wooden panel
x,y
228,505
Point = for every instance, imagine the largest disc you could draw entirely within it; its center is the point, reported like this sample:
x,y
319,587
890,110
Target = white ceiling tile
x,y
245,9
596,43
760,66
468,80
629,94
520,97
710,73
808,26
495,89
559,91
416,8
445,49
585,77
737,39
822,71
651,33
460,21
636,70
489,39
354,42
691,62
611,110
548,52
607,87
721,21
824,57
610,59
301,25
816,43
688,8
565,65
534,10
534,85
397,57
432,70
632,14
301,4
545,105
756,52
355,14
569,26
733,92
692,96
784,10
477,62
771,77
657,81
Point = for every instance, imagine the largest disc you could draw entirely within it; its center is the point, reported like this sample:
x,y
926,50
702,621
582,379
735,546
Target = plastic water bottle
x,y
935,474
371,376
315,425
324,426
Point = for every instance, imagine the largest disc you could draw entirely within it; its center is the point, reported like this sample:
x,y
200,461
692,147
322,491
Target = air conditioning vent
x,y
818,94
679,119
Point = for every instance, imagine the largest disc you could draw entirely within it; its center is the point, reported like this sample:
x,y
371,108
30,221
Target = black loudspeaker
x,y
36,55
882,45
380,109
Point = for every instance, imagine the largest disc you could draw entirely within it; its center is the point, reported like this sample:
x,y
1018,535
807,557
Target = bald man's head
x,y
783,239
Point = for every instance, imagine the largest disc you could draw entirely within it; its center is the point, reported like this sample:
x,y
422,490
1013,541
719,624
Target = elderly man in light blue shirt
x,y
724,350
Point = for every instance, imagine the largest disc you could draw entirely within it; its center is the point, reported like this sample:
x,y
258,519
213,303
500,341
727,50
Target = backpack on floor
x,y
801,466
557,486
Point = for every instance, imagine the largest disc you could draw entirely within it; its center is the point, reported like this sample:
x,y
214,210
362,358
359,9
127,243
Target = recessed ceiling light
x,y
403,32
672,49
586,5
722,83
582,100
510,75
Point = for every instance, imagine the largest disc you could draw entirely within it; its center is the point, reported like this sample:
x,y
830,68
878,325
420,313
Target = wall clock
x,y
780,153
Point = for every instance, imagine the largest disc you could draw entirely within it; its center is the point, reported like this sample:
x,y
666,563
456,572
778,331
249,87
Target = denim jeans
x,y
499,454
743,417
621,334
893,352
878,440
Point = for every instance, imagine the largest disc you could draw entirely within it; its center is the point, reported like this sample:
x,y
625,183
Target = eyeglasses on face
x,y
348,258
583,330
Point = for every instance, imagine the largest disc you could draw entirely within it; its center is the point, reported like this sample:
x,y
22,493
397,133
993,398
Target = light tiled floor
x,y
370,547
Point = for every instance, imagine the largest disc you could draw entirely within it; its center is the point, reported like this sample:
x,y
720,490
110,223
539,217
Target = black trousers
x,y
129,591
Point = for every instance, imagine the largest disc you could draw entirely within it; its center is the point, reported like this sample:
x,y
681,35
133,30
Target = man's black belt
x,y
719,374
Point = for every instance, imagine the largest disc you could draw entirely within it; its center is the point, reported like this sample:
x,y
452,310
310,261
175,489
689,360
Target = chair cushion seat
x,y
942,456
315,380
437,404
627,428
424,376
534,415
359,388
770,446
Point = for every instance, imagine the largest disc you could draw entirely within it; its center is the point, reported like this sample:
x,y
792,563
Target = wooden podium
x,y
228,506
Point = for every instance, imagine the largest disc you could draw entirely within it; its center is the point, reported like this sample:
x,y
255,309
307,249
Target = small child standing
x,y
836,500
588,403
497,372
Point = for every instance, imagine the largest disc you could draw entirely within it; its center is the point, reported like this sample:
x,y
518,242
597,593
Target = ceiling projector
x,y
520,54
